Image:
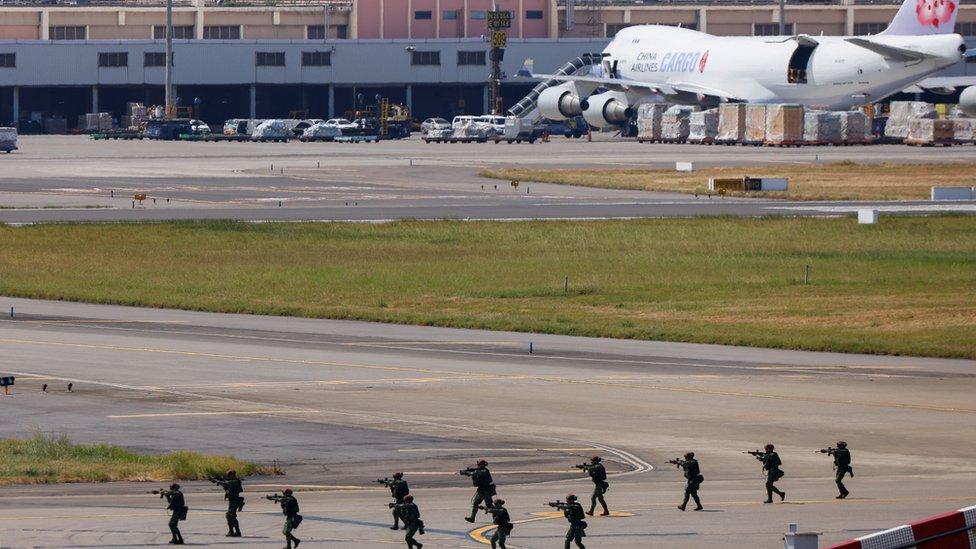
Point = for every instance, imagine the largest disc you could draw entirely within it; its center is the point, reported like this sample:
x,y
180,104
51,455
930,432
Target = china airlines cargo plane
x,y
653,63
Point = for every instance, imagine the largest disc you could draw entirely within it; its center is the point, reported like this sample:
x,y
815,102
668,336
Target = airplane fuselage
x,y
818,71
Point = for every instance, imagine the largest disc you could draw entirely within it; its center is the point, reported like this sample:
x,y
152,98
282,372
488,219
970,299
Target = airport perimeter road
x,y
72,178
342,403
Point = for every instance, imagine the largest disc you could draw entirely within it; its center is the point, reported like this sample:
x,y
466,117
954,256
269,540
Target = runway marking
x,y
241,413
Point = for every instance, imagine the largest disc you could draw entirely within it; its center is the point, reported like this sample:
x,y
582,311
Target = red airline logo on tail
x,y
934,13
704,59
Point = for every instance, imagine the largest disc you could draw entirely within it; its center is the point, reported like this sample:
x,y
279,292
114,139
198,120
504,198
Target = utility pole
x,y
170,107
498,21
782,17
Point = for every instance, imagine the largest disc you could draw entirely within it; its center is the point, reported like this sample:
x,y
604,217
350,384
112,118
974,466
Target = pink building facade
x,y
426,19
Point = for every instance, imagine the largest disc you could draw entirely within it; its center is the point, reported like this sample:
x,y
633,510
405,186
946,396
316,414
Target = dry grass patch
x,y
835,181
51,458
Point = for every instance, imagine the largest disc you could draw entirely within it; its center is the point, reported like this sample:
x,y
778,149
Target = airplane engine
x,y
607,109
967,101
560,102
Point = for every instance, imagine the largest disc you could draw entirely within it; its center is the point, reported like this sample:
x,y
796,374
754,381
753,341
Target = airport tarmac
x,y
342,403
73,178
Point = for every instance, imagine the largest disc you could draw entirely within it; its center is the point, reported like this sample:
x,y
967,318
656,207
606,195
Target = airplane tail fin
x,y
923,17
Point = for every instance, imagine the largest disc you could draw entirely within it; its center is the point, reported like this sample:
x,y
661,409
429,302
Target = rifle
x,y
829,451
557,504
467,471
215,479
275,497
387,481
677,462
584,466
758,454
161,493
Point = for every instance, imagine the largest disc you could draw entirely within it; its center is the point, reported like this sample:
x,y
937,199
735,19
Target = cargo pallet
x,y
783,143
314,139
121,134
357,139
918,143
210,137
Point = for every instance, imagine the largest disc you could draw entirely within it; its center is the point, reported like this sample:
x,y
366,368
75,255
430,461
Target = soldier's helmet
x,y
770,447
571,498
499,501
482,463
287,491
231,473
841,444
408,498
690,455
596,459
174,486
398,475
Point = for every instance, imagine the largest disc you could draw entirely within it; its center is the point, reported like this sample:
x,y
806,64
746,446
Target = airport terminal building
x,y
270,59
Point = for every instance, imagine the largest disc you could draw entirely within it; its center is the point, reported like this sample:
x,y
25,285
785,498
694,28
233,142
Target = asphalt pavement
x,y
72,178
339,404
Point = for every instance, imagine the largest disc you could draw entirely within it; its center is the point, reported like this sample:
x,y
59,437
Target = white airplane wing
x,y
890,52
665,88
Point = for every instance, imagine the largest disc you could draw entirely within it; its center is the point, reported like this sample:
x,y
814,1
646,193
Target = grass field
x,y
905,286
836,181
54,458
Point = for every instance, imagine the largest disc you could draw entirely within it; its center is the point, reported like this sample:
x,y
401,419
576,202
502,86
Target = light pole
x,y
169,59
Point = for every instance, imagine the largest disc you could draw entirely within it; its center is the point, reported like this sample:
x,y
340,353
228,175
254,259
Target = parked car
x,y
8,139
342,124
167,129
434,124
496,121
199,127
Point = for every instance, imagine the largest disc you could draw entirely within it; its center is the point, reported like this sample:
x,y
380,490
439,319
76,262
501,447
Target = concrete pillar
x,y
44,30
198,24
354,23
409,98
409,18
331,101
703,20
466,15
553,19
520,18
254,101
16,106
437,19
94,103
485,101
849,21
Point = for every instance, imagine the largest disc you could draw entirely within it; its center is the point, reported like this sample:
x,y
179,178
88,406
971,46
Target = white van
x,y
461,120
496,121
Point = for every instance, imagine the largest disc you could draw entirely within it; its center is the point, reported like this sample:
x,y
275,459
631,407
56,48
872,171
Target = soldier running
x,y
484,487
410,513
503,523
772,465
289,508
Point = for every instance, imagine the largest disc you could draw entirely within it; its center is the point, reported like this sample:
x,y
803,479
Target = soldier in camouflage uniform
x,y
503,523
598,474
484,487
398,490
573,512
232,493
410,514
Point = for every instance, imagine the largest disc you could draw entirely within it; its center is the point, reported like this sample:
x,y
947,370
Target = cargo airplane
x,y
650,63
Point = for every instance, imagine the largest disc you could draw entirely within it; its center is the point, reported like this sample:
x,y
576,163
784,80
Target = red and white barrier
x,y
915,534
